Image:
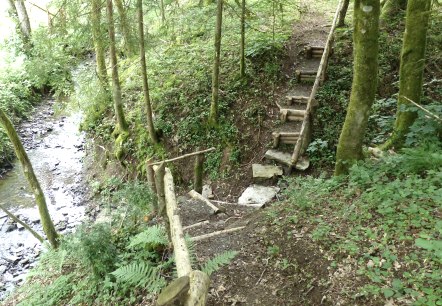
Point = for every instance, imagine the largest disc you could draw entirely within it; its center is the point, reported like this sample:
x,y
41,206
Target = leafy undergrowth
x,y
123,259
380,227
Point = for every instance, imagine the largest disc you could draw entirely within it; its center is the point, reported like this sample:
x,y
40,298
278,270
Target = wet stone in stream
x,y
56,150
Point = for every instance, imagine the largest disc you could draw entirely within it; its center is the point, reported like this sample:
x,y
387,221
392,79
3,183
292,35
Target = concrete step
x,y
286,159
265,173
284,138
287,114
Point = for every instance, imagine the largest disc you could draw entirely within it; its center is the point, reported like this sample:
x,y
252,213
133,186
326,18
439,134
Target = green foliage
x,y
150,238
215,263
140,274
385,216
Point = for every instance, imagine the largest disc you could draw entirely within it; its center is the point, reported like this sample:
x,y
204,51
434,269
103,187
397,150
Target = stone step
x,y
291,114
286,159
262,173
284,138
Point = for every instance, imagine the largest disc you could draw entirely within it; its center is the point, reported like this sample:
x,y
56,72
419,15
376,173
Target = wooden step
x,y
286,159
296,99
308,76
313,51
284,138
291,115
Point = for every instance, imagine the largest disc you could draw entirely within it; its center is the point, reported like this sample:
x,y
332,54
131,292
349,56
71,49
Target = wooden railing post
x,y
198,172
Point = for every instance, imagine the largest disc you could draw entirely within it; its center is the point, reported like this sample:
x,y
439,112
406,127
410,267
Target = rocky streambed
x,y
57,151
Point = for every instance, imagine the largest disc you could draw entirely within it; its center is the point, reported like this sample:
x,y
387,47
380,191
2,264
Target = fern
x,y
218,261
151,237
191,248
140,274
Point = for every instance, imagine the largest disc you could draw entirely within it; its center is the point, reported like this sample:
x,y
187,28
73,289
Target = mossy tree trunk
x,y
98,37
45,218
365,73
411,69
242,63
125,28
391,7
213,117
343,13
122,128
150,126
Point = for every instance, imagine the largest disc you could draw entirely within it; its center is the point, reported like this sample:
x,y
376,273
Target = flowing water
x,y
56,149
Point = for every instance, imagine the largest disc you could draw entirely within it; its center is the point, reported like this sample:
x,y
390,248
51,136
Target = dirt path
x,y
264,272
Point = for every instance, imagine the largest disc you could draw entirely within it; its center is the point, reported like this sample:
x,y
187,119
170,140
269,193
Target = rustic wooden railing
x,y
305,127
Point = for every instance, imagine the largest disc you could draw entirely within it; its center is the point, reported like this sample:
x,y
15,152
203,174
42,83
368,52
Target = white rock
x,y
256,194
207,192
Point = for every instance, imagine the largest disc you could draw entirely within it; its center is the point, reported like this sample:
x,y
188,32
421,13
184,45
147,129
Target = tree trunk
x,y
242,64
17,12
391,7
97,36
125,28
150,126
46,221
198,172
365,50
343,13
24,19
411,69
116,88
213,117
163,13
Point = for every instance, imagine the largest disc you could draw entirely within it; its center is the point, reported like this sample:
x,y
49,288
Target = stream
x,y
56,149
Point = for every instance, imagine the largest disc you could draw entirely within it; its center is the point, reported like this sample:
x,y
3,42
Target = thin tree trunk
x,y
163,13
198,172
125,28
23,31
98,37
213,117
343,13
46,221
366,48
411,69
150,126
116,88
242,64
24,19
26,226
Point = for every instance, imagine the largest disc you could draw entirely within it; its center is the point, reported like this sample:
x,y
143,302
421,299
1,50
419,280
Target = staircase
x,y
292,137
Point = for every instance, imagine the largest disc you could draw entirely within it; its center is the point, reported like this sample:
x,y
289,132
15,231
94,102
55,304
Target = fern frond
x,y
140,274
152,236
191,247
218,261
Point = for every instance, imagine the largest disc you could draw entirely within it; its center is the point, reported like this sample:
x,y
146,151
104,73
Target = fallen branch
x,y
424,109
196,225
195,195
226,231
252,205
181,157
16,219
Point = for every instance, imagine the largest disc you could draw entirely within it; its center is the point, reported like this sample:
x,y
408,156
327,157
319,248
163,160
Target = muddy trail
x,y
56,149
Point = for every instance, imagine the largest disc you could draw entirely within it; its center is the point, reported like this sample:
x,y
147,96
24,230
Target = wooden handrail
x,y
321,71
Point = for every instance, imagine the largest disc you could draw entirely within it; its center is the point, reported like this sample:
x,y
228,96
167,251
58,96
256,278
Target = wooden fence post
x,y
198,171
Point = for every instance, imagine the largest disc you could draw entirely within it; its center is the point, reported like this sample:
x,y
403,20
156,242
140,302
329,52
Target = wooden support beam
x,y
197,196
182,156
291,115
214,234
